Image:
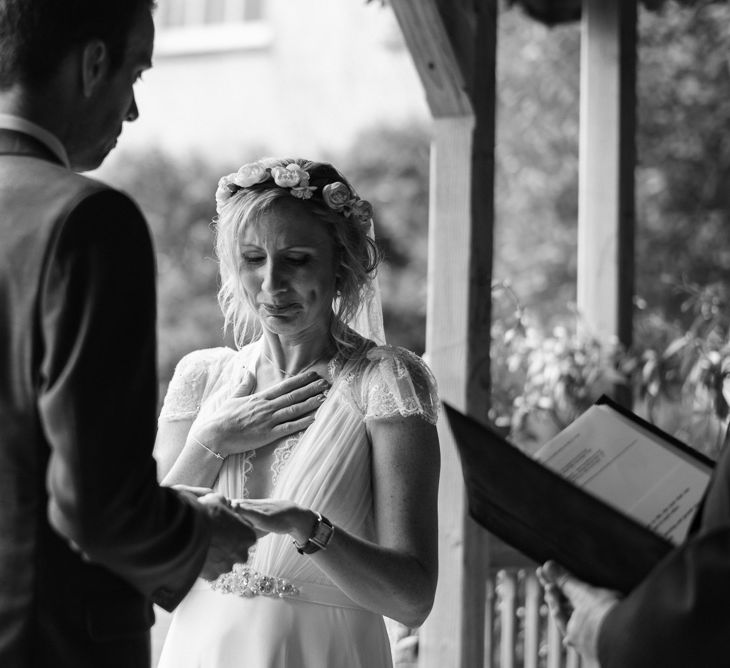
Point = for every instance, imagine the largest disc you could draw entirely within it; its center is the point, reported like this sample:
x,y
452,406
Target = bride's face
x,y
288,271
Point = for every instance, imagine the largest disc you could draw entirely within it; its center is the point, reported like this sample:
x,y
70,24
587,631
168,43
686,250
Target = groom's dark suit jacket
x,y
87,537
679,617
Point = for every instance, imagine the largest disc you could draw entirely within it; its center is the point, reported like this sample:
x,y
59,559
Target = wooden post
x,y
607,160
453,43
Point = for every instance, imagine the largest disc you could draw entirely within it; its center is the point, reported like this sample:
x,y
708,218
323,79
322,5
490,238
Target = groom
x,y
87,537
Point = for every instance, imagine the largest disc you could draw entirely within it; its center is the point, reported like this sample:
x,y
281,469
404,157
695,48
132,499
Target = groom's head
x,y
80,57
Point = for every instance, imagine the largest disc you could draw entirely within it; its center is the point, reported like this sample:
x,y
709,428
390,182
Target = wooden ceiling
x,y
553,12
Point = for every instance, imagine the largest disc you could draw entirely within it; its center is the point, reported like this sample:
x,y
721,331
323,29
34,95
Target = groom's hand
x,y
230,540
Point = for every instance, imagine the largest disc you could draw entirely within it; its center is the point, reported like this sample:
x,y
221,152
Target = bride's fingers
x,y
296,404
197,491
262,523
292,426
290,385
260,506
299,409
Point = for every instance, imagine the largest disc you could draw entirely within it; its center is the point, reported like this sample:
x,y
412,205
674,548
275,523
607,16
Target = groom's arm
x,y
98,403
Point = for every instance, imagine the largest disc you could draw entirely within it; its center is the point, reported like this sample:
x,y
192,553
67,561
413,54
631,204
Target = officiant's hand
x,y
577,608
248,421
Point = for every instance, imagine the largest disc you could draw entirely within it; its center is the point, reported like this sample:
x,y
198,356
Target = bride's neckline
x,y
291,374
326,357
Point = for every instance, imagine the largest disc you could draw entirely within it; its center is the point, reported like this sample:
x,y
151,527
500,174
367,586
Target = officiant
x,y
677,617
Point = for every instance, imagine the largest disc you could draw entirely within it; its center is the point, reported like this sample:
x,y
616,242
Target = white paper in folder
x,y
630,468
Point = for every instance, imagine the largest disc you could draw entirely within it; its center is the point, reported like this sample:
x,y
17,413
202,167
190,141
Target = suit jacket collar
x,y
13,142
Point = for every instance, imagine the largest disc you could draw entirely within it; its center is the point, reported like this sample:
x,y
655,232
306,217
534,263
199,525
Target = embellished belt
x,y
248,583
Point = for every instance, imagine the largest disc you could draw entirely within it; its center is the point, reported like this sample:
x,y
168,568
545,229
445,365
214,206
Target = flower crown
x,y
336,195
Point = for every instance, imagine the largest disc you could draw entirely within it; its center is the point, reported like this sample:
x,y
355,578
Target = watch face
x,y
322,534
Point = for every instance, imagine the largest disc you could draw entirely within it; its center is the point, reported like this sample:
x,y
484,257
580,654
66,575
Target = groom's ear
x,y
94,66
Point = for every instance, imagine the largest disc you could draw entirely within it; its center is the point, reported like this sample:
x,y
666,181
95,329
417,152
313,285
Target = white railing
x,y
519,632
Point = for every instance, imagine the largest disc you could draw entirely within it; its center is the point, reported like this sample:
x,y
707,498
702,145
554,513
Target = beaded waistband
x,y
247,583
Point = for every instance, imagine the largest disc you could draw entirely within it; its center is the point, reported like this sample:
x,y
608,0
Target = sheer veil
x,y
368,320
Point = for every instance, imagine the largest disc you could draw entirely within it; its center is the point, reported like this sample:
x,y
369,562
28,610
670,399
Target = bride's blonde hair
x,y
356,254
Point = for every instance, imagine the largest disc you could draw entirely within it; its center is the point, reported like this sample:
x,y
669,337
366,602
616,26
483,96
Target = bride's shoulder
x,y
195,375
202,361
393,380
398,359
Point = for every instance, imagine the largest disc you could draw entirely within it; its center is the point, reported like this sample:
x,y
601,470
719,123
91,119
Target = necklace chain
x,y
286,374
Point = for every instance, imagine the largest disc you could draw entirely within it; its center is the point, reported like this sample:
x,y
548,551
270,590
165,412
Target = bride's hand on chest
x,y
250,420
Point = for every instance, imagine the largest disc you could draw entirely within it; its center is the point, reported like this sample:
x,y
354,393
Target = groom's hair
x,y
35,35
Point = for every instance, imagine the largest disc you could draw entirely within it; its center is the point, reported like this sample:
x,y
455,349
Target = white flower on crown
x,y
290,176
336,195
224,190
251,174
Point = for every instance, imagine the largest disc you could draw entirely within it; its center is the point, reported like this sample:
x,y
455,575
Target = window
x,y
189,26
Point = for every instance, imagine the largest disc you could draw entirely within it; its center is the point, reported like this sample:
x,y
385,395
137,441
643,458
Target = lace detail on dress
x,y
282,453
398,383
246,468
187,387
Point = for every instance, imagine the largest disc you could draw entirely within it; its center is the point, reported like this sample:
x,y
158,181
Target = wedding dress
x,y
279,610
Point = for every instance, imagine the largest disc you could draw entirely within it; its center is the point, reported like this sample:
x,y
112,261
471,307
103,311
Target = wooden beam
x,y
433,54
453,43
607,160
454,632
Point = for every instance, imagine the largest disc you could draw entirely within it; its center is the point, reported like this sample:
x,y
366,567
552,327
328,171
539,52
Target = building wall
x,y
302,81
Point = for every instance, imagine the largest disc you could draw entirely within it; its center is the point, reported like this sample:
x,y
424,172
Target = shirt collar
x,y
48,139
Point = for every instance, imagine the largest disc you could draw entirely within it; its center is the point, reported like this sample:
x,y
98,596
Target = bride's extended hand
x,y
276,516
248,421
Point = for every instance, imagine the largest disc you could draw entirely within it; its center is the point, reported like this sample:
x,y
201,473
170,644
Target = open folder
x,y
545,514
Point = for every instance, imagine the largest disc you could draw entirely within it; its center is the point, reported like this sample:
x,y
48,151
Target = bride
x,y
324,438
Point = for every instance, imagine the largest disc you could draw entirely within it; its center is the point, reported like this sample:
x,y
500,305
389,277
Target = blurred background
x,y
235,80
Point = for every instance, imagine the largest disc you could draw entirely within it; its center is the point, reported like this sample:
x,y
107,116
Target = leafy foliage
x,y
683,203
684,153
542,382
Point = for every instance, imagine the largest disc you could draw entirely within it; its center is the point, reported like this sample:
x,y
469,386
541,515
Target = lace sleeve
x,y
399,383
187,387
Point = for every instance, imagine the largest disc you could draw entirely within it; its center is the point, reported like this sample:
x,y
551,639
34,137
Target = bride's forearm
x,y
384,580
197,465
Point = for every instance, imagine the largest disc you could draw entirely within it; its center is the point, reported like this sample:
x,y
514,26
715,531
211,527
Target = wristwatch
x,y
321,536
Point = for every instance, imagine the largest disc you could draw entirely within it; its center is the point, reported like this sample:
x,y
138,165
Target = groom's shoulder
x,y
42,186
68,202
43,203
75,189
